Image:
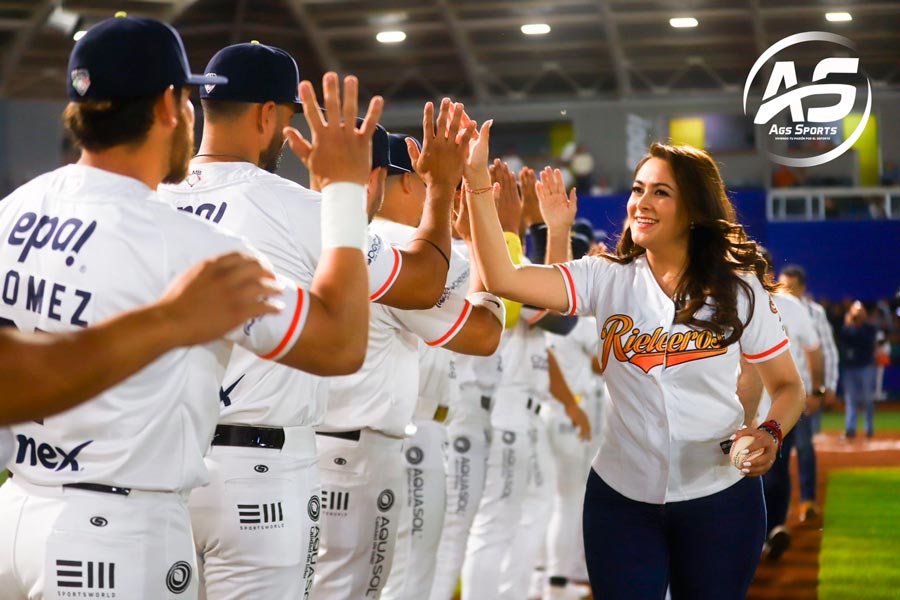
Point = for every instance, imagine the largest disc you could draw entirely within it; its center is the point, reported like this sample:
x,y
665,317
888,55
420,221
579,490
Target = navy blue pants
x,y
706,549
777,484
803,433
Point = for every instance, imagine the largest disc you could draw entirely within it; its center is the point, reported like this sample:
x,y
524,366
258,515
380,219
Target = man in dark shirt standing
x,y
858,337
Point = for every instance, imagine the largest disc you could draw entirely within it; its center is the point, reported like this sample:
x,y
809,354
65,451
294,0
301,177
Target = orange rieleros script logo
x,y
649,350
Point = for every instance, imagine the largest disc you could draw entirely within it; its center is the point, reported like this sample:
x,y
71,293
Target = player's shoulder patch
x,y
772,306
376,245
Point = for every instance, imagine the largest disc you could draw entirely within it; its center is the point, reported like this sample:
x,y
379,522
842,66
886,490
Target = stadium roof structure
x,y
472,49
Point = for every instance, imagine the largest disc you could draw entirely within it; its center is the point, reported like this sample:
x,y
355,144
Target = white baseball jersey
x,y
81,245
480,372
282,220
574,352
382,395
525,375
435,370
672,389
802,332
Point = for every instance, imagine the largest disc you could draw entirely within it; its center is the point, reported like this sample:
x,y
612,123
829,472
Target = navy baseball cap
x,y
381,148
399,154
256,73
129,57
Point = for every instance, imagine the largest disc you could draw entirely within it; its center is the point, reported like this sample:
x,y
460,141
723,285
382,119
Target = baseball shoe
x,y
808,511
779,540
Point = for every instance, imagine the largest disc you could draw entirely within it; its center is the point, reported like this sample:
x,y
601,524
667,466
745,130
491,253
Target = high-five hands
x,y
444,148
557,209
339,151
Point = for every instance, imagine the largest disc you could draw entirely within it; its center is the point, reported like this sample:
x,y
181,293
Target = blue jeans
x,y
859,388
777,485
705,549
806,457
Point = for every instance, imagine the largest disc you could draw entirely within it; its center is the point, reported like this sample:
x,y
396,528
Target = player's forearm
x,y
489,249
788,404
334,339
559,387
45,374
816,362
559,247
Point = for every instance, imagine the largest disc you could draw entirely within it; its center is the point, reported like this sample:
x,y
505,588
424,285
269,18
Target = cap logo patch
x,y
210,86
81,81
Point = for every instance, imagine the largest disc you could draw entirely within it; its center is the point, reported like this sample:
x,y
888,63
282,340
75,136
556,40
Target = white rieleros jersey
x,y
282,220
382,395
81,245
574,352
802,332
672,389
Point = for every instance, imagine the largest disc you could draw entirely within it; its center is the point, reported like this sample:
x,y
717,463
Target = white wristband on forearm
x,y
344,216
491,302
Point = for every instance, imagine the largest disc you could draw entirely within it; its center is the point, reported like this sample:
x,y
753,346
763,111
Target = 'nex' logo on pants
x,y
50,457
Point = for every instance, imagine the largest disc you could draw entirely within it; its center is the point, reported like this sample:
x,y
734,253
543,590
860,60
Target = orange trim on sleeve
x,y
290,332
391,279
571,283
537,317
467,310
767,352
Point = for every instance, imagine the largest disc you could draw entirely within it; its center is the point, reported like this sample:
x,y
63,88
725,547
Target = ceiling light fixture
x,y
79,34
536,29
683,22
390,37
838,17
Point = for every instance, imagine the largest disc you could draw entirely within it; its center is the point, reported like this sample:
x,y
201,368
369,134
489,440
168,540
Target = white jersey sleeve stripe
x,y
395,272
298,321
570,289
533,317
463,317
770,353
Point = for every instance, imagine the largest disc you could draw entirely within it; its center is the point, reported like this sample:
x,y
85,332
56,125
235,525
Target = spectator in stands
x,y
582,165
784,176
891,173
858,338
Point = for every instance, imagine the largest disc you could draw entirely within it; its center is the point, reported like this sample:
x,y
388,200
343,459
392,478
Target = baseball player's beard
x,y
180,153
270,158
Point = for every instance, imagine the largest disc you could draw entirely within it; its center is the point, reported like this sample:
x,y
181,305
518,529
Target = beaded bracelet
x,y
479,190
773,428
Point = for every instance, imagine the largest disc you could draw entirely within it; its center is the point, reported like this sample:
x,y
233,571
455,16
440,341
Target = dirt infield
x,y
795,576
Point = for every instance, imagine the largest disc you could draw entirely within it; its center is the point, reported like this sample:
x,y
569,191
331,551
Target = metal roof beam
x,y
19,45
616,53
465,50
314,35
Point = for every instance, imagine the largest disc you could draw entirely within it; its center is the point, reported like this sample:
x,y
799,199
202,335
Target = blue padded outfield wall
x,y
843,258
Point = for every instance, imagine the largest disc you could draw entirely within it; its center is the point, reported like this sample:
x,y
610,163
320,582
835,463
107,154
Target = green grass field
x,y
884,421
861,539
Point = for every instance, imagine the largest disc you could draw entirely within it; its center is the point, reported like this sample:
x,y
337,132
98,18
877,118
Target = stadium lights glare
x,y
536,29
682,22
390,37
79,34
838,17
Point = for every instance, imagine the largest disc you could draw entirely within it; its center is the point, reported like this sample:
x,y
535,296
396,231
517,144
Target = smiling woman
x,y
680,306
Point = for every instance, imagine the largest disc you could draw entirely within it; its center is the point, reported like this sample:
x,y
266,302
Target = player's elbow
x,y
480,336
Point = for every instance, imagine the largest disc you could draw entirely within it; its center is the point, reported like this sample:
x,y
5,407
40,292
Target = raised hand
x,y
476,168
531,210
557,209
444,147
339,151
509,202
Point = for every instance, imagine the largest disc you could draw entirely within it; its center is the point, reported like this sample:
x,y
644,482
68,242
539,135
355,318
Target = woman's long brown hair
x,y
718,247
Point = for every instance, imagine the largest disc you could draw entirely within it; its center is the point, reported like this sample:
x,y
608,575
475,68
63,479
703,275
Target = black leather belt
x,y
353,436
97,487
247,436
486,403
534,405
